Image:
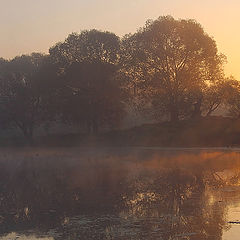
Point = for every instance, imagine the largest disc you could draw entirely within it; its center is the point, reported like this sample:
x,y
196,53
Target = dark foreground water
x,y
120,194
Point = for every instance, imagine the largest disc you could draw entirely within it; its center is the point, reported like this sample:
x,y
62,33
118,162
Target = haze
x,y
33,26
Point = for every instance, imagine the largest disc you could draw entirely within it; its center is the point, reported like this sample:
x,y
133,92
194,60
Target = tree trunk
x,y
28,134
95,127
197,109
92,127
89,128
174,115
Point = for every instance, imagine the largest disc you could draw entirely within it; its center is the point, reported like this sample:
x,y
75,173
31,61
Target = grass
x,y
203,132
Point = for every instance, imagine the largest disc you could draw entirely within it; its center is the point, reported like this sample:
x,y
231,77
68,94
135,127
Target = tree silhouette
x,y
88,46
233,98
171,59
92,95
22,94
169,68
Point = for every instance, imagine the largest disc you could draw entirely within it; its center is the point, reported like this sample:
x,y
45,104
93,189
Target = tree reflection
x,y
103,200
180,199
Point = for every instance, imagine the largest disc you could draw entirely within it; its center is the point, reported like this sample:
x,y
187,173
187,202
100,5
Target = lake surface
x,y
120,194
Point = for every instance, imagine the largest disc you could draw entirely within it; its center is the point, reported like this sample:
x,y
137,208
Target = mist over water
x,y
119,193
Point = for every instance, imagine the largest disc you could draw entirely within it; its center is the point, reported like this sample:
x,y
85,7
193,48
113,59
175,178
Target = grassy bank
x,y
204,132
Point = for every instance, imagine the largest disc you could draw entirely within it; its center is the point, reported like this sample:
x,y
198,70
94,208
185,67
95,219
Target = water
x,y
120,194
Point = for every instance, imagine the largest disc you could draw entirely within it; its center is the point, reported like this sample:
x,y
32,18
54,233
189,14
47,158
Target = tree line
x,y
169,69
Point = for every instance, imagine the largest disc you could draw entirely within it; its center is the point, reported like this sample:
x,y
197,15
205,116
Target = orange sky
x,y
30,25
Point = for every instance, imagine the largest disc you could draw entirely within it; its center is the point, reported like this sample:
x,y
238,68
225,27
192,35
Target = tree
x,y
94,96
167,61
232,100
214,96
89,64
88,46
23,97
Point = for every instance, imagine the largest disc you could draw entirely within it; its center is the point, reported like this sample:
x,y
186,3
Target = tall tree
x,y
167,60
89,64
88,46
22,93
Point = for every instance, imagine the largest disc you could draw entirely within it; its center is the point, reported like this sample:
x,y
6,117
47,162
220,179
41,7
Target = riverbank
x,y
204,132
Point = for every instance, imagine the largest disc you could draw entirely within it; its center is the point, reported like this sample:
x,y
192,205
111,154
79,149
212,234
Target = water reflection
x,y
117,194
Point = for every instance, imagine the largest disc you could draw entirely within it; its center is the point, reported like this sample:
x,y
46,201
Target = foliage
x,y
167,69
233,98
171,59
93,94
23,95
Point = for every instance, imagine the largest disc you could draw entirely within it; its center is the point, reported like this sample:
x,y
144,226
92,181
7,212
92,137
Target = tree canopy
x,y
173,60
171,68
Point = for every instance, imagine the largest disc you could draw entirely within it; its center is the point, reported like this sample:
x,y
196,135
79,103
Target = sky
x,y
35,25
